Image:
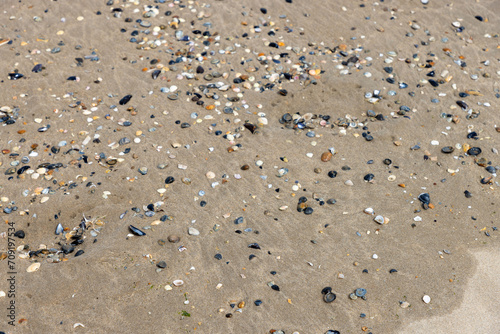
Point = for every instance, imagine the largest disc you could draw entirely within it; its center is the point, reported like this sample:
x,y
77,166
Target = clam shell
x,y
379,219
33,267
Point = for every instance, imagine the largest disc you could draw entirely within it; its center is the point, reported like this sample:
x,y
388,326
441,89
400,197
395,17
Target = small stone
x,y
326,156
193,231
348,183
19,234
426,299
161,264
173,239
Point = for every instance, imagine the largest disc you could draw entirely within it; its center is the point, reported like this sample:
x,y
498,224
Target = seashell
x,y
424,198
447,149
125,100
379,219
136,231
178,282
59,229
33,267
369,211
474,151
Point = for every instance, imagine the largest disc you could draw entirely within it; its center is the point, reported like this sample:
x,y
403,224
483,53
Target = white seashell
x,y
210,175
426,299
78,325
33,267
379,219
178,282
392,178
369,211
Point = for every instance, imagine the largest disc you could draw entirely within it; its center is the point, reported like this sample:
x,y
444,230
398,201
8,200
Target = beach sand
x,y
448,252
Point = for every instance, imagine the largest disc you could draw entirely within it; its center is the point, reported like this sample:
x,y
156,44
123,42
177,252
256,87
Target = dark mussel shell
x,y
125,99
136,231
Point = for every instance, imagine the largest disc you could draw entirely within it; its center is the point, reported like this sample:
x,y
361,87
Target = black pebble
x,y
203,203
67,249
20,234
258,302
332,174
169,180
218,256
263,10
308,210
467,194
161,264
275,287
393,271
369,177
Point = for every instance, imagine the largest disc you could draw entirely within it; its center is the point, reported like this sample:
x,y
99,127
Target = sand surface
x,y
266,274
477,311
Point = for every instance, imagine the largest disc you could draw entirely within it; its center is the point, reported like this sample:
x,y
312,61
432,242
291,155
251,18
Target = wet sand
x,y
477,312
